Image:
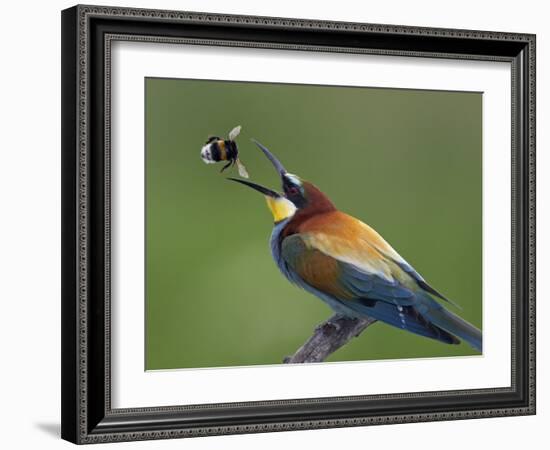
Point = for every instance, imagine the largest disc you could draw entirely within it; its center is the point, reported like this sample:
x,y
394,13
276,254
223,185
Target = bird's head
x,y
299,197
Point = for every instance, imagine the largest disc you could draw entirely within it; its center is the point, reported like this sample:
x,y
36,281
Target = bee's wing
x,y
234,133
242,169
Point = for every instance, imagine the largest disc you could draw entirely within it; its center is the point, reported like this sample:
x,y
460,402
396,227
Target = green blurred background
x,y
406,162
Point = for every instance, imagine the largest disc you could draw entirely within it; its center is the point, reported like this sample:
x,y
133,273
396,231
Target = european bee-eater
x,y
347,264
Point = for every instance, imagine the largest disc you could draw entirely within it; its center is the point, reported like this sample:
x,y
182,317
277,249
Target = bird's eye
x,y
293,190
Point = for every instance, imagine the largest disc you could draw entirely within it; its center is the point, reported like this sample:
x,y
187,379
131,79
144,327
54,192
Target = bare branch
x,y
329,337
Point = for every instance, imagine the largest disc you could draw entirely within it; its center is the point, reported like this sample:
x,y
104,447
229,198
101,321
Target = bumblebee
x,y
217,149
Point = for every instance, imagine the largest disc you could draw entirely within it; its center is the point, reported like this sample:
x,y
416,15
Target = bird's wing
x,y
360,291
352,241
319,267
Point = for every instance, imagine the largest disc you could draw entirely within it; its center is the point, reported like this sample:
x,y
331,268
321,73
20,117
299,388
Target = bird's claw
x,y
331,324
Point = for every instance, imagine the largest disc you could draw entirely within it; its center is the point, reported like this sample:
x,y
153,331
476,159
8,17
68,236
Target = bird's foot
x,y
331,324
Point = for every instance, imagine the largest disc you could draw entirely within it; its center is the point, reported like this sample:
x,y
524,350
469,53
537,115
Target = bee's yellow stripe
x,y
223,151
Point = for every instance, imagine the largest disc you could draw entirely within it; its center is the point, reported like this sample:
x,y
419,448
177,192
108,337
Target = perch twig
x,y
329,337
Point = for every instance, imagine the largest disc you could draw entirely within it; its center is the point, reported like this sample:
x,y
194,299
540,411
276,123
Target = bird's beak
x,y
267,192
278,204
278,166
276,163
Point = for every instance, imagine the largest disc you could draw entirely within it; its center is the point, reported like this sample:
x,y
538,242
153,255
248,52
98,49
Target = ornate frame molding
x,y
86,210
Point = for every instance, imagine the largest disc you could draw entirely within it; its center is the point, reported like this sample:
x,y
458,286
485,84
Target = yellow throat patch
x,y
280,207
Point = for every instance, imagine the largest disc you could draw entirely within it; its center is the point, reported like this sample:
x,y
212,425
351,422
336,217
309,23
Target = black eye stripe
x,y
294,192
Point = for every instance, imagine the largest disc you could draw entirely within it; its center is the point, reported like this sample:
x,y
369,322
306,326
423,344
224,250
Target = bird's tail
x,y
455,325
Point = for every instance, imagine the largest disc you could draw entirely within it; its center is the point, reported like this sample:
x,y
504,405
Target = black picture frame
x,y
87,416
